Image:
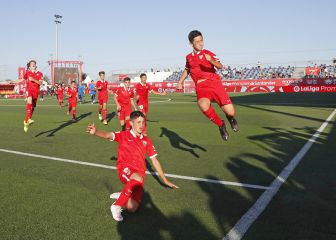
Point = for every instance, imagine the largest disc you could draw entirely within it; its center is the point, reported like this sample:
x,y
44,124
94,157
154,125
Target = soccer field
x,y
45,196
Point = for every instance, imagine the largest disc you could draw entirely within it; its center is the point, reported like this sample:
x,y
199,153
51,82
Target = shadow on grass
x,y
150,223
177,141
63,125
228,204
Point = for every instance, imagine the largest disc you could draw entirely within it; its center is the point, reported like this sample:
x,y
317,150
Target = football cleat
x,y
25,126
100,117
105,122
223,132
30,121
115,195
116,213
234,124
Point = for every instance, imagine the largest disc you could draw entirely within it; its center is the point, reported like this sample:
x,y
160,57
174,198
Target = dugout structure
x,y
66,71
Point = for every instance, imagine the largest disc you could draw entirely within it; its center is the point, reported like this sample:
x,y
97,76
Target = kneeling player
x,y
131,163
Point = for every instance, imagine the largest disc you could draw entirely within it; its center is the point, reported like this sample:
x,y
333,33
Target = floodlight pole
x,y
57,21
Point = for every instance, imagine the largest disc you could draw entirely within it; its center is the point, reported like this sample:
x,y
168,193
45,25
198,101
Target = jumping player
x,y
201,64
131,164
142,89
33,82
101,87
72,100
60,93
124,100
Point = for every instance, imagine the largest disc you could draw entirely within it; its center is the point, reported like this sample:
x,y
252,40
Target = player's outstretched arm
x,y
135,106
17,81
158,168
91,129
184,75
158,93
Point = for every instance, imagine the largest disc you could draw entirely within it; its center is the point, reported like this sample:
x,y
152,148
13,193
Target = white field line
x,y
244,223
147,172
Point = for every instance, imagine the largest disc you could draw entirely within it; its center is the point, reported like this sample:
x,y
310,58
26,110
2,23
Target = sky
x,y
120,36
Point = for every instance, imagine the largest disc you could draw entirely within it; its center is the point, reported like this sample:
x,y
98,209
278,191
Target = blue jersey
x,y
80,90
92,89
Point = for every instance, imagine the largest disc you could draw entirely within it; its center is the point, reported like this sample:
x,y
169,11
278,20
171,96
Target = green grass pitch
x,y
43,199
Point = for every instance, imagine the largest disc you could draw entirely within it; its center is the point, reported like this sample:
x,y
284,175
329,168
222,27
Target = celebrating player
x,y
72,99
142,89
33,82
124,101
59,93
131,164
101,87
202,65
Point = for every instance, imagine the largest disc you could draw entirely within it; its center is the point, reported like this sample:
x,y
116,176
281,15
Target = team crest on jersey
x,y
144,143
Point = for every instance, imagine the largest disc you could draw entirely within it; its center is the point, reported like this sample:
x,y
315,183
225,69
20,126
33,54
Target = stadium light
x,y
57,21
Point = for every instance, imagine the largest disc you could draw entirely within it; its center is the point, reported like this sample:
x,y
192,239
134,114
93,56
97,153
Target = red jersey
x,y
73,93
60,92
199,67
103,91
132,150
32,86
124,95
142,91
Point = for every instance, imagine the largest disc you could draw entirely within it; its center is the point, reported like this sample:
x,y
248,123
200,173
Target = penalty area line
x,y
147,172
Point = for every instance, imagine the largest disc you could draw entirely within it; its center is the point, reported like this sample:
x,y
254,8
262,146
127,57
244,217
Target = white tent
x,y
87,80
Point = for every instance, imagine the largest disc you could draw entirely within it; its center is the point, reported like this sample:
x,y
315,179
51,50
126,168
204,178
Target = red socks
x,y
29,111
126,193
105,114
128,125
74,114
212,115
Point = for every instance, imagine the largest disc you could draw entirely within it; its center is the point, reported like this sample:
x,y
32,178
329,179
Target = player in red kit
x,y
124,100
33,80
60,93
72,93
201,64
131,164
101,87
142,90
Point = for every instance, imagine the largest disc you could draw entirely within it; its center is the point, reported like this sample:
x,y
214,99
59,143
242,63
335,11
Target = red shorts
x,y
102,100
60,98
125,174
143,107
72,103
33,93
213,90
125,112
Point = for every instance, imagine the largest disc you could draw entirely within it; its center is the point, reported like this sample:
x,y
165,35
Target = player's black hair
x,y
28,64
73,81
101,72
136,114
142,74
127,79
193,34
